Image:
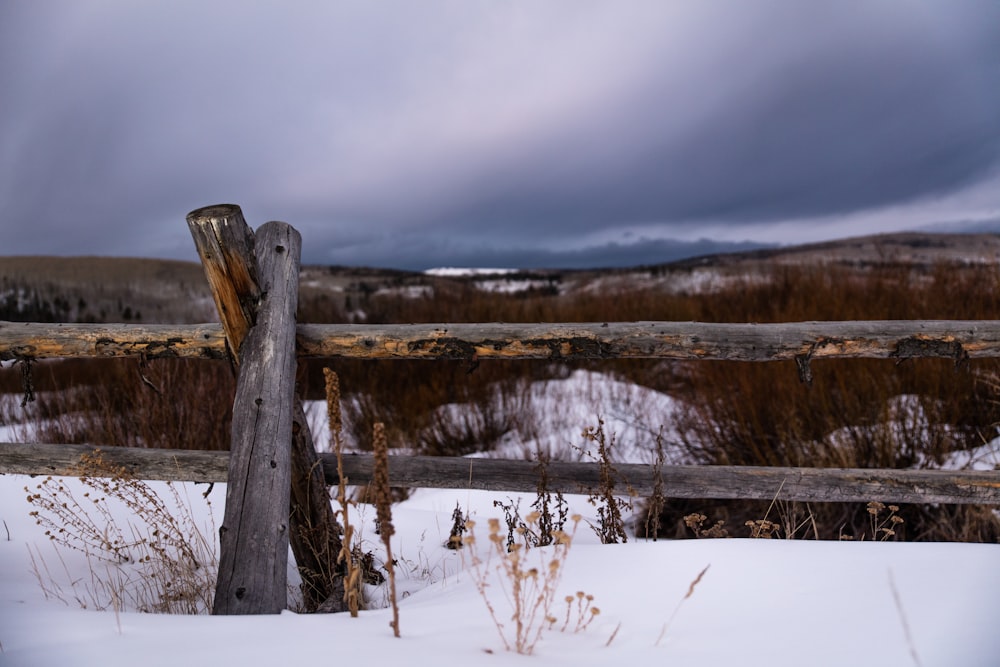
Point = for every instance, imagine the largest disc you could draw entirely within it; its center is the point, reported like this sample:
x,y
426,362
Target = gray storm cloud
x,y
407,134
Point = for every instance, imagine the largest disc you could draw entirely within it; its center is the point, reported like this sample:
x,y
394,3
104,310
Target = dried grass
x,y
529,581
158,560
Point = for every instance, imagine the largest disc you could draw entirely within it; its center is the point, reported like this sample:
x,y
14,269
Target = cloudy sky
x,y
496,132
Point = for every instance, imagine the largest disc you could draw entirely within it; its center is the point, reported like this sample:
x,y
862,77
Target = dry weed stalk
x,y
696,523
346,560
383,508
794,518
657,500
160,561
515,524
333,412
529,588
690,592
902,618
610,524
585,611
883,528
458,519
765,528
550,519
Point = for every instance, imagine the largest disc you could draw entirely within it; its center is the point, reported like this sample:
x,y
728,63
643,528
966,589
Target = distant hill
x,y
103,289
112,289
915,248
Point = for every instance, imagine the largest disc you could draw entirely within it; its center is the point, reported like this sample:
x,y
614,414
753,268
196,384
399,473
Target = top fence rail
x,y
801,341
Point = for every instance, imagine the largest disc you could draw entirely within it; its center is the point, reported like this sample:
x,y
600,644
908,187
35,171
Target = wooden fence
x,y
254,283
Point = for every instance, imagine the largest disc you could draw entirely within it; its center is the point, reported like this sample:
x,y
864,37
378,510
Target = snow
x,y
984,457
761,602
497,281
458,272
552,413
509,286
407,291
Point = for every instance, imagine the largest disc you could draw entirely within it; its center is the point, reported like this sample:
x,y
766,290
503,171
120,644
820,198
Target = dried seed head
x,y
383,499
333,402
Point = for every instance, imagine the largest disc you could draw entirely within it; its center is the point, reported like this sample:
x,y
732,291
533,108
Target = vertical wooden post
x,y
227,248
315,533
225,244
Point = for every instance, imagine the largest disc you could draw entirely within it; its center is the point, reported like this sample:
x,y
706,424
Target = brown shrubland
x,y
856,413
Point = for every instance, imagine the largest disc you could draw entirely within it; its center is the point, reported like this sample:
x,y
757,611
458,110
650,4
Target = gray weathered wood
x,y
225,245
665,340
254,537
900,339
155,464
732,482
19,340
314,533
736,482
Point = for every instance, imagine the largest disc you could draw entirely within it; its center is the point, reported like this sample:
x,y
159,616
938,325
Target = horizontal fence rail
x,y
802,341
682,481
273,472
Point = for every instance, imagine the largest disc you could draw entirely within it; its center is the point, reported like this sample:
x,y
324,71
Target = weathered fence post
x,y
228,248
225,244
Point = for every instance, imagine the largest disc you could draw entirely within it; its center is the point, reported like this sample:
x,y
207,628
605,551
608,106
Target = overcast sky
x,y
496,133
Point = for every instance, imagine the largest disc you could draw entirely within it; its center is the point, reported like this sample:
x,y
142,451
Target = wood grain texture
x,y
732,482
225,244
153,464
29,340
314,532
220,232
254,536
662,340
877,339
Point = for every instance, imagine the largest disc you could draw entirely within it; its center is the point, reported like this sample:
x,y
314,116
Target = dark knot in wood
x,y
915,347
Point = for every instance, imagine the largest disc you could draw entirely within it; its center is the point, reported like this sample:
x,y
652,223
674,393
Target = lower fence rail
x,y
677,481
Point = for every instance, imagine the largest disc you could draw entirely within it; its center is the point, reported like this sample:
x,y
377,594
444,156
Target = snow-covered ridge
x,y
455,272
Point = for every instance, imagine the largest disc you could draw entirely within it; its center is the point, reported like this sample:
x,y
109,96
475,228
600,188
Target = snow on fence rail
x,y
253,283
